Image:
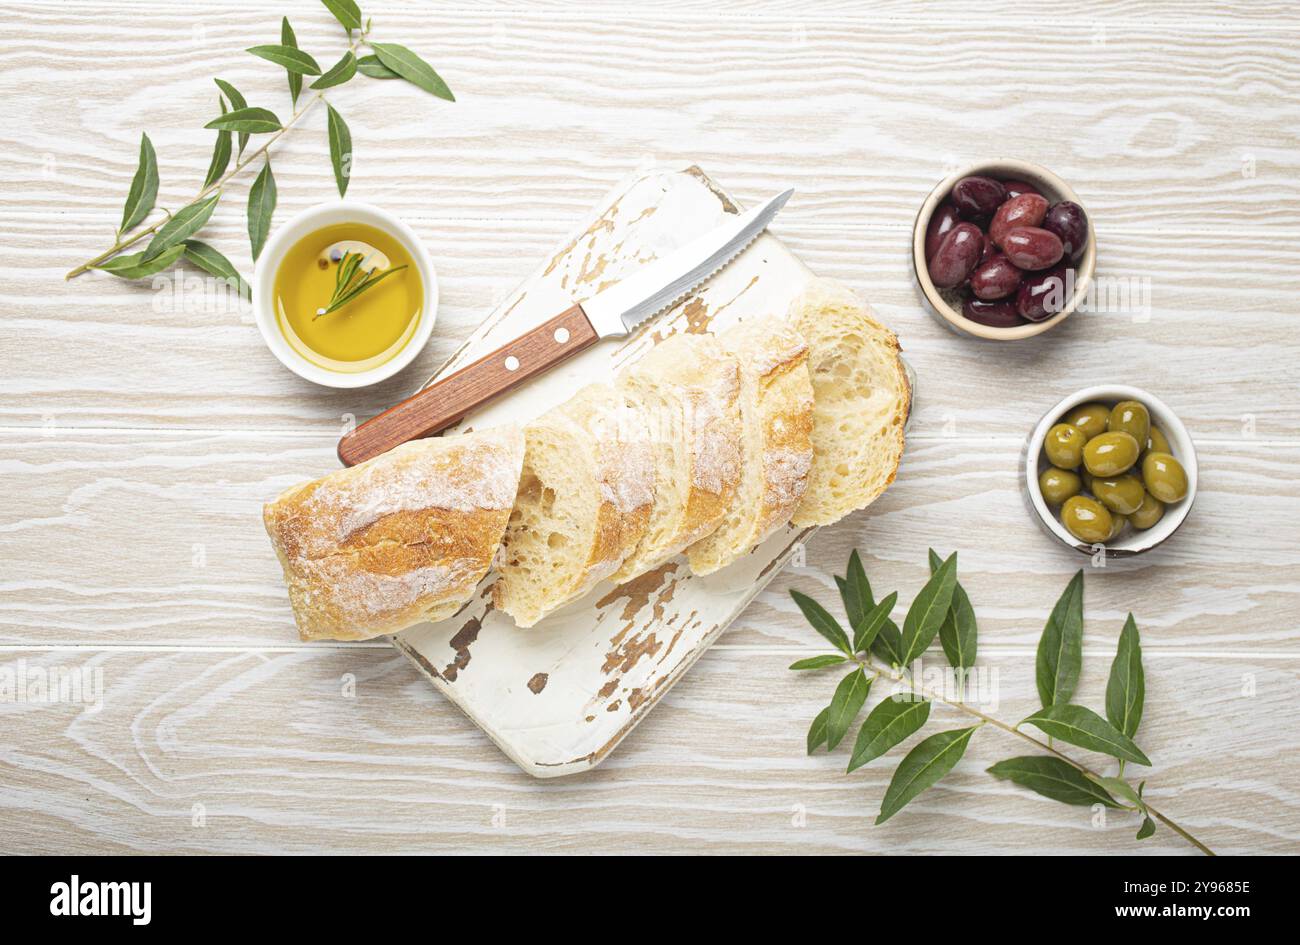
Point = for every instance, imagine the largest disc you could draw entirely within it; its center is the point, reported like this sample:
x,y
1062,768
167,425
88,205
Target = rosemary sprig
x,y
350,280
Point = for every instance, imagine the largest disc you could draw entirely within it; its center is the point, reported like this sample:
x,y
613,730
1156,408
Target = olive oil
x,y
365,332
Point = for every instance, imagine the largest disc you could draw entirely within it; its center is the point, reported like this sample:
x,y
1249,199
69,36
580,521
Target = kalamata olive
x,y
978,196
995,279
956,256
1025,210
1044,294
1015,188
1070,224
945,217
1032,247
1001,314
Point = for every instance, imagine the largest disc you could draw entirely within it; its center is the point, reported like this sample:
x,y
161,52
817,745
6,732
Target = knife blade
x,y
615,312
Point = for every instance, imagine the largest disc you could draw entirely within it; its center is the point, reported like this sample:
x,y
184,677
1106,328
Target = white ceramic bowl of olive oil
x,y
345,294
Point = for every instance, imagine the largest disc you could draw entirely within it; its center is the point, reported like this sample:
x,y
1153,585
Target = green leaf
x,y
237,101
254,120
817,733
1147,829
1126,689
1121,788
958,633
412,68
340,149
1060,649
1054,778
135,266
850,695
866,630
346,12
818,662
187,221
338,73
371,66
261,207
288,38
886,726
924,766
927,612
888,644
823,622
289,57
220,154
1083,727
855,590
211,261
144,187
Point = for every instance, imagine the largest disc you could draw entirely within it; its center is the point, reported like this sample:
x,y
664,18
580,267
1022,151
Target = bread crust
x,y
397,540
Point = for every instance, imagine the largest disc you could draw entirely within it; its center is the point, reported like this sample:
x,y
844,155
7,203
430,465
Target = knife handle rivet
x,y
512,363
561,335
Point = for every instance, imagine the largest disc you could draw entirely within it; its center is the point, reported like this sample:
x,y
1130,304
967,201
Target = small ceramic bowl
x,y
310,220
1131,541
946,303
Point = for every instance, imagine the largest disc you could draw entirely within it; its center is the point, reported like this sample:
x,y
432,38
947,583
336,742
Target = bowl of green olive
x,y
1110,469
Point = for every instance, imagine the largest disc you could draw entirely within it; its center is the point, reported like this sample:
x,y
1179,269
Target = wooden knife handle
x,y
444,402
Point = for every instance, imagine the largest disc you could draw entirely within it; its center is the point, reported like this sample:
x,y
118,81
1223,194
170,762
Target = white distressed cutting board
x,y
558,697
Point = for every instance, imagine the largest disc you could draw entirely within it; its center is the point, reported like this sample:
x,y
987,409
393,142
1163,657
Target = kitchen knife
x,y
612,313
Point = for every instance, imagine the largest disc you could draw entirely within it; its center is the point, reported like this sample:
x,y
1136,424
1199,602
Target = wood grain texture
x,y
147,424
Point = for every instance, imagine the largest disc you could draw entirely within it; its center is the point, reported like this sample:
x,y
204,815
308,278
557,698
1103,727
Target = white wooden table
x,y
140,437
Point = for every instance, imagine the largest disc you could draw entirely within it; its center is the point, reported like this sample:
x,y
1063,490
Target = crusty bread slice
x,y
862,397
583,504
776,408
688,388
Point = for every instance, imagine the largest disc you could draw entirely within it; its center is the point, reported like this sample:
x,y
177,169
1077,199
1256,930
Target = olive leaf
x,y
211,261
220,153
1147,829
261,206
922,767
340,149
855,590
928,610
823,622
957,634
1054,778
412,68
346,12
1127,686
288,38
144,187
1081,726
187,221
136,266
818,662
254,120
338,73
850,695
886,726
817,732
1121,788
288,57
237,101
888,644
371,66
864,635
1060,649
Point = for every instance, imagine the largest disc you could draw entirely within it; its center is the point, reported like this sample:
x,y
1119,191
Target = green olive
x,y
1064,446
1057,485
1122,494
1164,476
1131,417
1087,519
1110,454
1090,418
1118,522
1156,442
1149,512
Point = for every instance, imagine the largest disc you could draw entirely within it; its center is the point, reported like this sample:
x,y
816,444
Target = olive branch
x,y
171,238
879,648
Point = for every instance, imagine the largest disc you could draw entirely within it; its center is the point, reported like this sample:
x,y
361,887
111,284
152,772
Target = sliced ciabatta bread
x,y
688,388
862,397
583,503
776,409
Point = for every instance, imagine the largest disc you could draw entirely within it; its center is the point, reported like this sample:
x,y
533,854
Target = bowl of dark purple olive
x,y
1003,250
